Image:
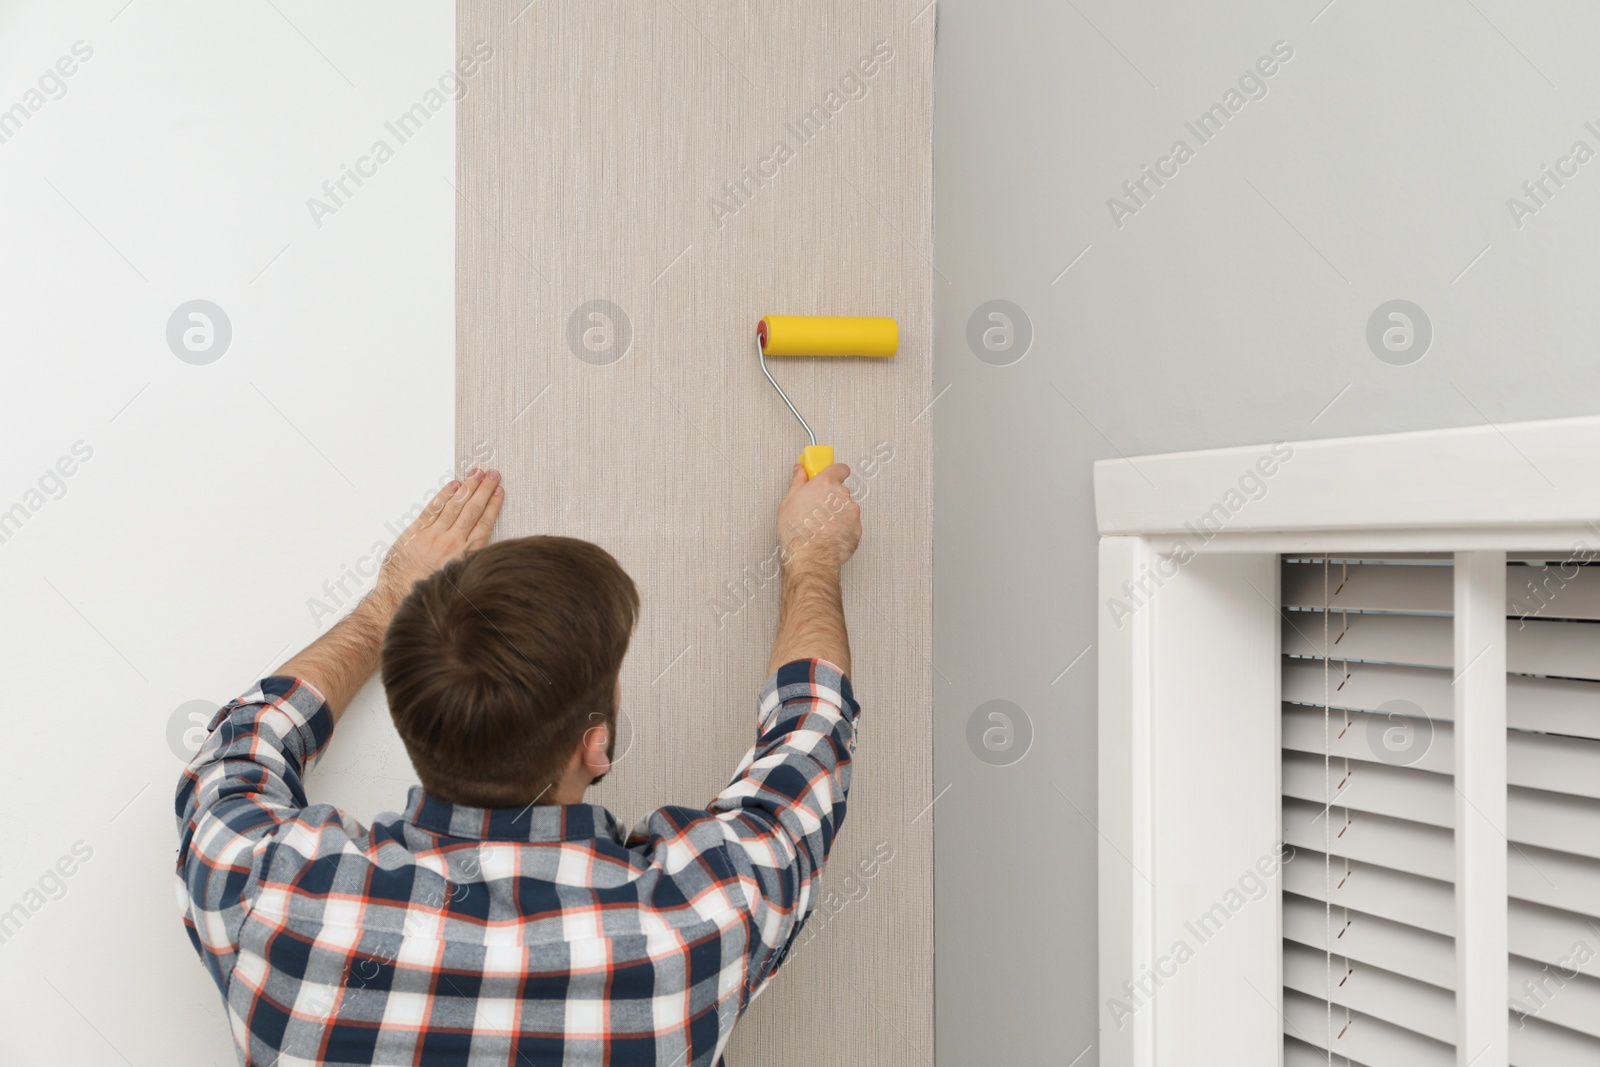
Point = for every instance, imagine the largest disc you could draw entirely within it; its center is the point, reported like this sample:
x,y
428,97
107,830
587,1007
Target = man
x,y
500,919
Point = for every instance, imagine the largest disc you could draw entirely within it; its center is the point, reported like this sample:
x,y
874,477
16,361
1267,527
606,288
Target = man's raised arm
x,y
782,811
819,527
247,780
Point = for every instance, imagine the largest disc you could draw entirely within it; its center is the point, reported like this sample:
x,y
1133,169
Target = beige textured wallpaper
x,y
638,183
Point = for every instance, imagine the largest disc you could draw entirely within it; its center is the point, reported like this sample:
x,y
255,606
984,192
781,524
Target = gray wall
x,y
1230,308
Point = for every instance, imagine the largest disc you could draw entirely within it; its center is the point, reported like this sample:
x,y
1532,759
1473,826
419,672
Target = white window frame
x,y
1189,793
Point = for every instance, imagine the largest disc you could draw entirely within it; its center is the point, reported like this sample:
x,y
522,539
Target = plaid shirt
x,y
456,935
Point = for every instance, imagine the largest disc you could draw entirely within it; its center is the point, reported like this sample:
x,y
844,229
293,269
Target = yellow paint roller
x,y
821,335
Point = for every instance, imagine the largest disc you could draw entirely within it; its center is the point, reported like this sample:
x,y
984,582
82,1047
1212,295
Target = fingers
x,y
436,505
837,472
797,477
458,500
472,509
491,511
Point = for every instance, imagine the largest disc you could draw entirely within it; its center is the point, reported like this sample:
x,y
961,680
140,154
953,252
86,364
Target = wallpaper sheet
x,y
637,184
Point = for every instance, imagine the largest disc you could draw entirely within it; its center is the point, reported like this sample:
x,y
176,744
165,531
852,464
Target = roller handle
x,y
822,335
816,458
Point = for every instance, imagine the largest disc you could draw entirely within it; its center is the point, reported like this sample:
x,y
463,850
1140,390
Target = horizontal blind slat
x,y
1558,821
1553,647
1417,640
1297,1053
1536,1043
1372,1041
1368,587
1538,646
1553,705
1546,705
1550,935
1382,994
1373,787
1398,844
1553,820
1398,947
1555,996
1558,764
1537,761
1557,879
1426,903
1561,589
1368,738
1367,686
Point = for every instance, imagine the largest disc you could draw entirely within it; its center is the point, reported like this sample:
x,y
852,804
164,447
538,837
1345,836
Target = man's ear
x,y
592,750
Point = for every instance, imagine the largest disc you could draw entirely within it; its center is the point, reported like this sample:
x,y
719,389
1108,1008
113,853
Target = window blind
x,y
1369,809
1553,810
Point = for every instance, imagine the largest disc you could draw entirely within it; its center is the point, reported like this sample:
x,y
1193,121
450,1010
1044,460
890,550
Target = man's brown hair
x,y
496,665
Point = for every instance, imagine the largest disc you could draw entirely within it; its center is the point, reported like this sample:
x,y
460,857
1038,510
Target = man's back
x,y
501,919
453,934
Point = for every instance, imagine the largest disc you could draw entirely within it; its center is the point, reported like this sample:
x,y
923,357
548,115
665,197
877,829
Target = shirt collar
x,y
534,823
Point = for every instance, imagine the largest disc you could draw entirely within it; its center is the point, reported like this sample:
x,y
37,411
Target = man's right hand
x,y
819,527
817,520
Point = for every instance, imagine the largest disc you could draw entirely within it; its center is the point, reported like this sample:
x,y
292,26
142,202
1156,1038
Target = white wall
x,y
1230,310
177,563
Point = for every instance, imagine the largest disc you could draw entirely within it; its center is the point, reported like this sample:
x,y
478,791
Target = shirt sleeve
x,y
782,811
245,783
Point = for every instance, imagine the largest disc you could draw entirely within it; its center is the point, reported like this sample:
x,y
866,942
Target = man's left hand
x,y
457,521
